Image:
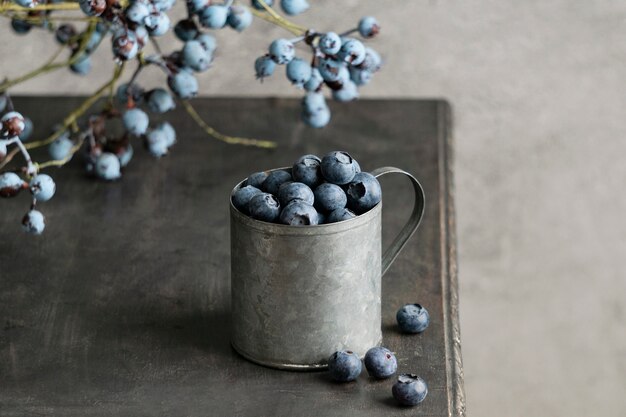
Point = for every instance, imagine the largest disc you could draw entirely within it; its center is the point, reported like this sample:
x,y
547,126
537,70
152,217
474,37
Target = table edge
x,y
449,272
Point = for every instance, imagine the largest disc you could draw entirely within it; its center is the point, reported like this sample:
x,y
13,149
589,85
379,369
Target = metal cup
x,y
301,293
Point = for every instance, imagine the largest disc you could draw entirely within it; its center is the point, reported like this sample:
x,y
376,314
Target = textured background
x,y
538,93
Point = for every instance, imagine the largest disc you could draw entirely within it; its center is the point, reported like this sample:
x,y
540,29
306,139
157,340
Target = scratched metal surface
x,y
122,306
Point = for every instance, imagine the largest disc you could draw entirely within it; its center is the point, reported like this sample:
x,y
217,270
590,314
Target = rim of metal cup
x,y
287,229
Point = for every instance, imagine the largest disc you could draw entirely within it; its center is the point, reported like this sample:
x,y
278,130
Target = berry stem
x,y
349,32
8,6
71,118
270,15
231,140
30,167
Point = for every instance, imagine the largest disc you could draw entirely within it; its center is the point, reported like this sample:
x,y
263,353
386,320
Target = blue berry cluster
x,y
315,191
41,186
339,62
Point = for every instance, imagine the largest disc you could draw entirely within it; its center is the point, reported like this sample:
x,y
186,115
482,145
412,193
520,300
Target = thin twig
x,y
8,6
232,140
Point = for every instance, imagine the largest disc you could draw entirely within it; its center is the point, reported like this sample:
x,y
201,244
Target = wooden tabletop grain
x,y
121,308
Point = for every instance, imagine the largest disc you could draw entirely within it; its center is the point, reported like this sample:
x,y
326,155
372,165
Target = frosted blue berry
x,y
317,119
413,318
294,7
344,366
125,45
264,67
380,362
329,197
156,142
291,191
299,213
315,112
258,5
125,155
34,222
298,72
124,92
208,42
107,167
372,61
196,6
368,27
315,82
338,167
160,101
307,170
363,192
93,7
352,51
135,121
183,84
137,12
264,207
10,184
282,51
360,77
82,65
28,130
409,390
331,70
168,130
186,30
340,215
195,56
157,24
163,5
214,16
274,180
347,92
13,124
60,148
241,198
239,17
330,43
42,187
256,179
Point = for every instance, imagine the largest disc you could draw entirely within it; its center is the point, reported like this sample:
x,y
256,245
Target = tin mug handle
x,y
411,225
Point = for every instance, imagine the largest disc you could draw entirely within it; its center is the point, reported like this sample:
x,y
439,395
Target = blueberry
x,y
264,207
340,215
156,142
338,167
315,82
329,197
61,147
307,170
330,43
413,318
258,5
360,76
242,197
108,167
282,51
256,179
348,92
157,24
344,366
34,222
372,61
264,67
28,129
352,51
43,187
369,27
299,213
239,17
409,389
321,218
274,180
298,72
290,191
10,184
208,42
317,119
294,7
137,12
183,84
186,29
13,124
168,131
136,121
214,16
380,362
160,101
126,92
363,192
195,56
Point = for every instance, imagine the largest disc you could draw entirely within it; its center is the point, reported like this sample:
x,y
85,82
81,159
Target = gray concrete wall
x,y
538,89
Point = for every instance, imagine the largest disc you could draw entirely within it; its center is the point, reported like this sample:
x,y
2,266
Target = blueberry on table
x,y
329,197
241,197
369,27
239,17
344,366
290,191
108,167
339,215
160,101
256,179
363,192
282,51
299,213
330,43
413,318
380,362
42,187
34,222
298,71
338,167
274,180
10,184
307,170
409,390
136,121
264,207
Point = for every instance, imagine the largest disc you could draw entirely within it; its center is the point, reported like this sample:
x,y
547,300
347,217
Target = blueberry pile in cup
x,y
381,363
316,191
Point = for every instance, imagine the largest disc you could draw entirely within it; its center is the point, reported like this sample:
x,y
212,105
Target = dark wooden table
x,y
122,306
